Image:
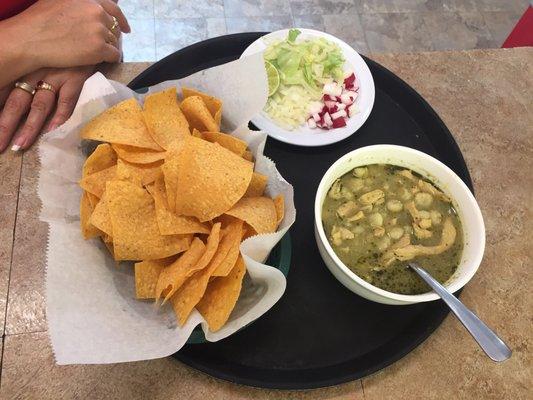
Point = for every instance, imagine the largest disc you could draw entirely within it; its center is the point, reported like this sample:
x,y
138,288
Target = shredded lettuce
x,y
304,66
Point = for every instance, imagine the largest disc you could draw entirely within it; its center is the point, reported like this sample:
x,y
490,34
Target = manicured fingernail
x,y
18,143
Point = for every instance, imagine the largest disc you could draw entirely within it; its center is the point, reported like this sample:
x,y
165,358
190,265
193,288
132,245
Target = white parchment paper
x,y
93,316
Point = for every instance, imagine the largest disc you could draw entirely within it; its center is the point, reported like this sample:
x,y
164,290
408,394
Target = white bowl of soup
x,y
381,207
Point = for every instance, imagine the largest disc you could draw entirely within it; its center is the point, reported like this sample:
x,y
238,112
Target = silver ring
x,y
26,87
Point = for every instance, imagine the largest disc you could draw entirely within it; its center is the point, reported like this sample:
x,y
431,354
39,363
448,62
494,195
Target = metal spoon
x,y
491,344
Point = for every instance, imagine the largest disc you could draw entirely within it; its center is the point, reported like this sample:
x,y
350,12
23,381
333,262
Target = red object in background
x,y
522,34
8,8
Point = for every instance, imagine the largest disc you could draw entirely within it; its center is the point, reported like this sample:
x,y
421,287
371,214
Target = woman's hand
x,y
44,106
62,33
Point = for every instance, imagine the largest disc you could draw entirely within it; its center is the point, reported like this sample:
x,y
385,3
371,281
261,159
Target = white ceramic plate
x,y
303,135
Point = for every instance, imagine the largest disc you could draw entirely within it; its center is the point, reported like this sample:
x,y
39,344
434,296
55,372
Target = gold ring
x,y
26,87
112,39
42,85
115,23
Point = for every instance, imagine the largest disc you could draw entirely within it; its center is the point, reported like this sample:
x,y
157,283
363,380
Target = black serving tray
x,y
320,333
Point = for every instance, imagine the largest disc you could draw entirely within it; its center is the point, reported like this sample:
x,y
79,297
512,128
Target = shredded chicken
x,y
347,209
379,231
411,208
388,257
359,215
407,174
429,188
339,233
409,252
372,197
421,233
335,191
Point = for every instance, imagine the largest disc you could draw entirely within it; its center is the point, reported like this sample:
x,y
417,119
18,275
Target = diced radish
x,y
333,109
341,106
316,117
352,110
327,97
349,80
332,89
339,122
351,94
339,114
346,98
315,107
327,120
330,104
311,123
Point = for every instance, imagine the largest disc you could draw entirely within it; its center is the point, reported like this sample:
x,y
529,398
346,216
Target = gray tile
x,y
451,31
256,8
139,45
517,6
257,24
348,28
388,6
172,34
402,32
216,27
137,8
305,7
309,22
188,8
500,24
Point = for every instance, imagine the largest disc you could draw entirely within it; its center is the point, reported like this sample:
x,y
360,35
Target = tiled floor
x,y
161,27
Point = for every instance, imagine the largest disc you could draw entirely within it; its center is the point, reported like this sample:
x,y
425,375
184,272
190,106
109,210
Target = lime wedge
x,y
273,78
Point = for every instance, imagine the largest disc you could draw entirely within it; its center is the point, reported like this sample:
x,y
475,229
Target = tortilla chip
x,y
122,124
198,114
179,273
93,200
258,212
170,172
96,183
193,289
197,133
164,118
86,210
101,158
211,179
248,156
143,173
135,232
279,204
233,238
110,248
173,276
125,173
213,104
137,155
100,217
218,117
146,276
257,185
221,296
231,143
168,222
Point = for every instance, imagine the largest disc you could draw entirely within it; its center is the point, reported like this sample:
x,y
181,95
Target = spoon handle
x,y
491,344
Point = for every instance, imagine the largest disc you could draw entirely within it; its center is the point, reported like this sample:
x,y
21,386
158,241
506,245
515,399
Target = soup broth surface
x,y
380,217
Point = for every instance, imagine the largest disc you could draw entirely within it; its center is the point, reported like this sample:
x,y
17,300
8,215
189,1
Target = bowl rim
x,y
457,283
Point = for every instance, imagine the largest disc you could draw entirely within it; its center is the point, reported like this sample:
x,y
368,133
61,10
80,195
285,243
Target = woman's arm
x,y
59,33
14,61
